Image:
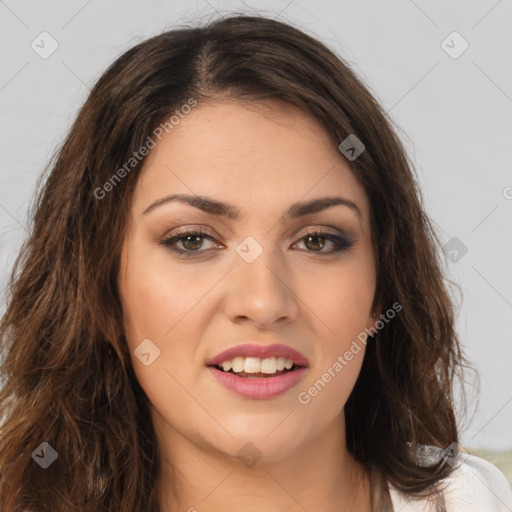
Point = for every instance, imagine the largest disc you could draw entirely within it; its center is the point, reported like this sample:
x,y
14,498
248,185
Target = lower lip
x,y
258,388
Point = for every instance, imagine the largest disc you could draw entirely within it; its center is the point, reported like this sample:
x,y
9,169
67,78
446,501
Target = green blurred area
x,y
502,460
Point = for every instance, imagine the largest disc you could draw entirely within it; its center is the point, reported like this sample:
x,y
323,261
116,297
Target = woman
x,y
231,298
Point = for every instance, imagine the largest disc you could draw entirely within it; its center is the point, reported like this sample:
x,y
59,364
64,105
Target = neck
x,y
320,475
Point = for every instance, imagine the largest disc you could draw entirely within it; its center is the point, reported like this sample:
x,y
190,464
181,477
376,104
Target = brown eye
x,y
317,240
191,242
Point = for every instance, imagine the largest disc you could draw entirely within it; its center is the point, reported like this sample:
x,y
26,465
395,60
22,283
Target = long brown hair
x,y
66,371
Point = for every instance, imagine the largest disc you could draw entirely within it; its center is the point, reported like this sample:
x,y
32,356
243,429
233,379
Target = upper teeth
x,y
256,365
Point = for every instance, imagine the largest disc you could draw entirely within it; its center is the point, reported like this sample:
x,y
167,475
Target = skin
x,y
294,293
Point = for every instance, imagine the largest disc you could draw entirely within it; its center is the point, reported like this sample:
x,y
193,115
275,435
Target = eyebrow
x,y
215,207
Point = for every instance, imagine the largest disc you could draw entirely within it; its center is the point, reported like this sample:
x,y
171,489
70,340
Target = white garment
x,y
475,485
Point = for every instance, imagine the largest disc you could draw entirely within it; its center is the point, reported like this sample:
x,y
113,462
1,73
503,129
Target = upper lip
x,y
260,351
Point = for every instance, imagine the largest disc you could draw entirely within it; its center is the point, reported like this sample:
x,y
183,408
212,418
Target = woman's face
x,y
257,278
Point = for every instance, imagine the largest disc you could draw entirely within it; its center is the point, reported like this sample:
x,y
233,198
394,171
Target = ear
x,y
374,315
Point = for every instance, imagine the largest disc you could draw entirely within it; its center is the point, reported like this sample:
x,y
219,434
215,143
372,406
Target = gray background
x,y
454,115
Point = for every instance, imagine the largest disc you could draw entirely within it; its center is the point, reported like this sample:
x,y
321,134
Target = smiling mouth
x,y
258,375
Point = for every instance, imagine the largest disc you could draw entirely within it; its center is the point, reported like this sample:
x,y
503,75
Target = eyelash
x,y
340,243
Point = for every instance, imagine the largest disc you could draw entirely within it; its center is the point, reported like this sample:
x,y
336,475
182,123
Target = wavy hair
x,y
67,378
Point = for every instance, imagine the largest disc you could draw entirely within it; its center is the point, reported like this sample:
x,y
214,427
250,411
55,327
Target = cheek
x,y
159,306
340,352
340,296
166,306
156,298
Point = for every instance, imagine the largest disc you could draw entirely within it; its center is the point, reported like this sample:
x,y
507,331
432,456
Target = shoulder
x,y
477,484
474,486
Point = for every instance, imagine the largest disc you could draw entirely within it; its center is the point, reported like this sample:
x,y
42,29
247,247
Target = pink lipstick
x,y
258,371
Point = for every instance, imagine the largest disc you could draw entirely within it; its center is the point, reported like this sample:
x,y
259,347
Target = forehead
x,y
248,154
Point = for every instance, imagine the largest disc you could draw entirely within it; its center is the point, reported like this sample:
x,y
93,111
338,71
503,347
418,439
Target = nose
x,y
261,292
